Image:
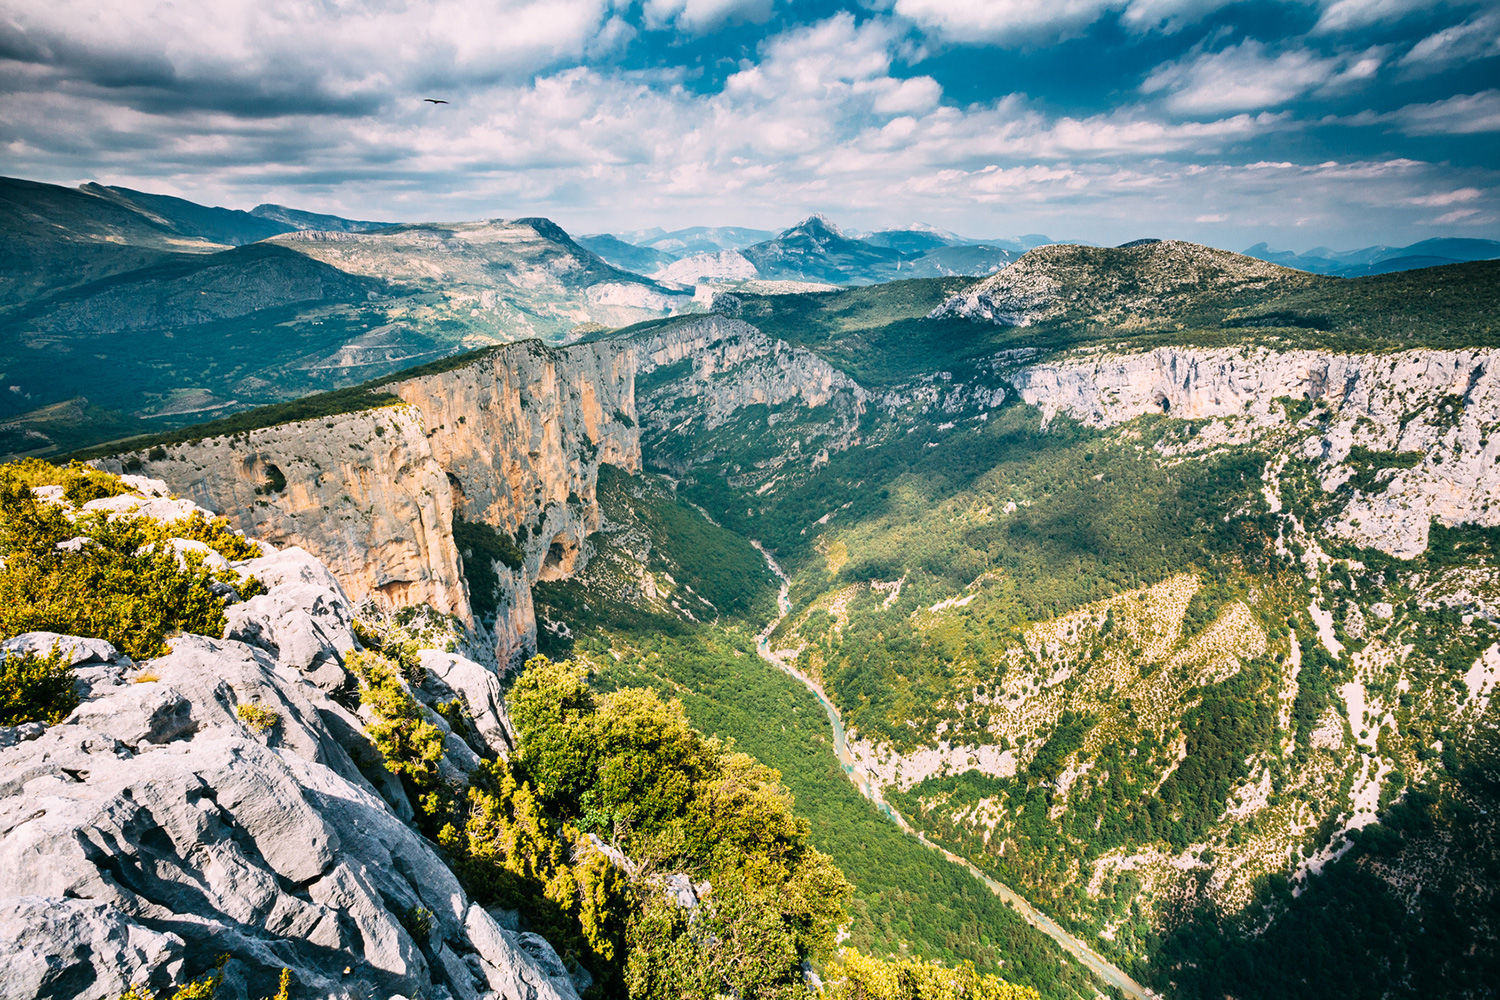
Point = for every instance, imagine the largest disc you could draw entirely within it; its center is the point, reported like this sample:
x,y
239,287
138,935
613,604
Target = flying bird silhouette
x,y
433,100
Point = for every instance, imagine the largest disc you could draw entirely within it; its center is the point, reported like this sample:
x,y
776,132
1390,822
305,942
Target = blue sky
x,y
1303,123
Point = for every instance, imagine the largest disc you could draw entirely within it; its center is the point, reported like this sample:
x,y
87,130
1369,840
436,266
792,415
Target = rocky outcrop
x,y
161,826
1438,408
520,433
1116,285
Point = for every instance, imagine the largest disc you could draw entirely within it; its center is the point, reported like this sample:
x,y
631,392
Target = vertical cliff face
x,y
512,439
361,491
520,434
1432,414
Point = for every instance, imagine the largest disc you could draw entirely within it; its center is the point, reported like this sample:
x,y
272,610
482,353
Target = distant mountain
x,y
1381,259
705,239
297,219
228,226
968,259
725,265
626,256
122,306
1102,286
817,250
496,280
916,239
55,237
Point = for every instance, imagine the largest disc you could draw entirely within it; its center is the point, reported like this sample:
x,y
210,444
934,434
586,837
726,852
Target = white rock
x,y
479,688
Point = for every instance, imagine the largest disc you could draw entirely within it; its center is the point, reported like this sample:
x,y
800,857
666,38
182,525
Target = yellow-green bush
x,y
35,688
80,483
258,717
859,977
117,582
409,742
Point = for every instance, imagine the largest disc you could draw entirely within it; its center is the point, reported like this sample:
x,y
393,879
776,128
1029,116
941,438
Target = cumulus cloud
x,y
970,21
1247,77
698,16
292,103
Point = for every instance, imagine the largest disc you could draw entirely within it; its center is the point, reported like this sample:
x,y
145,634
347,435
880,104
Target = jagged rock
x,y
135,714
158,508
1441,405
134,855
508,967
78,947
306,626
181,548
75,650
293,564
449,674
11,735
95,663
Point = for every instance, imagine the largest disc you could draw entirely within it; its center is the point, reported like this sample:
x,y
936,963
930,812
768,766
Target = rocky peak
x,y
1108,284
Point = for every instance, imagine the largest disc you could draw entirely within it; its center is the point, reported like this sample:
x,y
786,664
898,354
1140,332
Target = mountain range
x,y
1381,259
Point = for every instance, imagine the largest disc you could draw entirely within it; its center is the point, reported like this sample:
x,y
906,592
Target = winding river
x,y
1074,946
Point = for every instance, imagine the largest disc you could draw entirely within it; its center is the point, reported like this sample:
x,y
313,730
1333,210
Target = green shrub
x,y
80,483
257,716
859,977
119,583
35,688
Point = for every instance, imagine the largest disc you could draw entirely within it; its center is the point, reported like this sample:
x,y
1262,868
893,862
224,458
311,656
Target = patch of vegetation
x,y
35,688
354,399
481,546
625,768
88,575
257,716
860,977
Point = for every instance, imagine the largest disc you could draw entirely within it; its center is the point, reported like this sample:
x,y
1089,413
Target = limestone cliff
x,y
512,439
1438,408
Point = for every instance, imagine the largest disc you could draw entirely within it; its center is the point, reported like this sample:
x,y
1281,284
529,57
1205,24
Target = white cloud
x,y
1462,114
1446,198
821,118
969,21
1346,15
1477,38
254,54
699,16
1246,77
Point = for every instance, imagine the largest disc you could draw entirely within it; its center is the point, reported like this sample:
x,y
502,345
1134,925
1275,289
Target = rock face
x,y
513,439
156,829
1440,408
726,365
360,491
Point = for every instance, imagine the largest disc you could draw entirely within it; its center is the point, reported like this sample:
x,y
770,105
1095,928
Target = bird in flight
x,y
433,100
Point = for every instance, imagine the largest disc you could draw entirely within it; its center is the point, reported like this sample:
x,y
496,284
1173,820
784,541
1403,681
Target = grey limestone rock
x,y
449,674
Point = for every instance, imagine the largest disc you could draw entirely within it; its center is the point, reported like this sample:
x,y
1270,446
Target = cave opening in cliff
x,y
561,555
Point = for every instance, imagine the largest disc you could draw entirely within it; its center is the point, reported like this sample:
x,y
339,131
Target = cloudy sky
x,y
1338,122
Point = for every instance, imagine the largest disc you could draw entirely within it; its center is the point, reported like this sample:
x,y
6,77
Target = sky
x,y
1306,123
